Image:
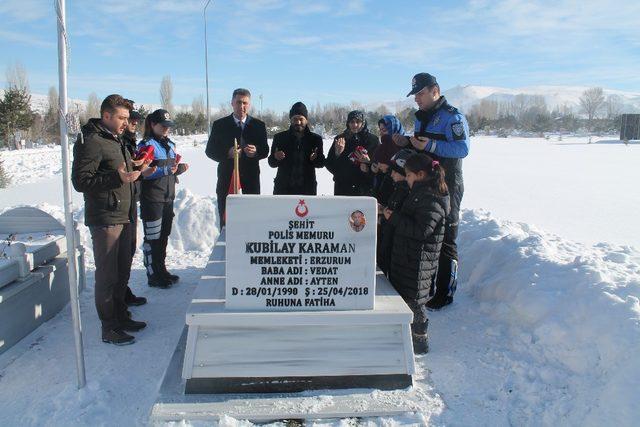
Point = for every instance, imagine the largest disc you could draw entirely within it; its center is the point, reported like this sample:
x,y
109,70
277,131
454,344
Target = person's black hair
x,y
421,162
241,92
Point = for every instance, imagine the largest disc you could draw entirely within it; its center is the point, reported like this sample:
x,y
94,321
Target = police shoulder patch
x,y
458,131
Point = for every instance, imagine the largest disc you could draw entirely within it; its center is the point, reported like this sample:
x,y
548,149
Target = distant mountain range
x,y
464,97
40,104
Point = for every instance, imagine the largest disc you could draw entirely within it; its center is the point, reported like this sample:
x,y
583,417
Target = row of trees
x,y
527,113
530,113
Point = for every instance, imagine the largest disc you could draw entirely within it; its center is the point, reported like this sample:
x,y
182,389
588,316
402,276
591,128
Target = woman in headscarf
x,y
351,149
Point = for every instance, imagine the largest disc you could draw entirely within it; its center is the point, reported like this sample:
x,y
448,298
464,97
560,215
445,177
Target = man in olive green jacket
x,y
104,172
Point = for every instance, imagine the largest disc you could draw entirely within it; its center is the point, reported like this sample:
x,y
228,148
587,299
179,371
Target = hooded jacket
x,y
97,154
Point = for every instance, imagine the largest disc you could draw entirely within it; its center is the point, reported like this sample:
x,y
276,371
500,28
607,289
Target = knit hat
x,y
399,159
135,115
355,115
299,109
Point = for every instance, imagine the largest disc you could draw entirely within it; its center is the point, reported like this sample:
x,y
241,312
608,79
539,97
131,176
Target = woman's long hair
x,y
432,168
148,130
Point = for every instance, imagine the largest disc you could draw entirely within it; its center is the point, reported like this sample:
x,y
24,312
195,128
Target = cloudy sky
x,y
323,50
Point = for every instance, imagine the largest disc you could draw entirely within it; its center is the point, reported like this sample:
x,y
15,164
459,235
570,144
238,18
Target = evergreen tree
x,y
51,121
4,178
143,111
15,113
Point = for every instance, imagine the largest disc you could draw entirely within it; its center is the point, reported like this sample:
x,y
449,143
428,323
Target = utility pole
x,y
206,67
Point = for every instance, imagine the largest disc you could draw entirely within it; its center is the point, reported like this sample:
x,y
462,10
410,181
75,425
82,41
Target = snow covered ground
x,y
545,328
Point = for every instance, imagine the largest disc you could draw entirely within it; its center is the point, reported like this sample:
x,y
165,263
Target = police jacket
x,y
223,133
417,240
160,186
97,154
448,134
296,172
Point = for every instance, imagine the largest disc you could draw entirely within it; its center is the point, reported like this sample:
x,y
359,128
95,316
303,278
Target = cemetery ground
x,y
545,328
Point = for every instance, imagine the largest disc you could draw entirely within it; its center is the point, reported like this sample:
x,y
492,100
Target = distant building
x,y
629,127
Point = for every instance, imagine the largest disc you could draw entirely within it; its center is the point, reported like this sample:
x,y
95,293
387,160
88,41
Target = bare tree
x,y
614,106
488,109
166,94
17,77
224,109
197,106
53,100
51,120
92,109
591,101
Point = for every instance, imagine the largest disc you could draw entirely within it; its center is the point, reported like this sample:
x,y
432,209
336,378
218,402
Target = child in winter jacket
x,y
417,240
393,202
383,185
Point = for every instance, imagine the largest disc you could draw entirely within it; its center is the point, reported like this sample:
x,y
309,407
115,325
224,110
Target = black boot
x,y
446,283
131,300
132,325
159,281
117,337
436,304
173,278
162,256
420,343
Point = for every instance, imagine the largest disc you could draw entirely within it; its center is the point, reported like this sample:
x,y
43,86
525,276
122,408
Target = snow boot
x,y
158,281
446,284
173,278
437,304
420,343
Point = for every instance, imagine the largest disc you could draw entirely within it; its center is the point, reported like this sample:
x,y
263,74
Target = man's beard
x,y
298,128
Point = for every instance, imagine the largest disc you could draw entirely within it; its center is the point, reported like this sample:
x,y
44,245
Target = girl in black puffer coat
x,y
394,202
417,240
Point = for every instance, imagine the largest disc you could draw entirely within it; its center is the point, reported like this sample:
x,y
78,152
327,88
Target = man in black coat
x,y
296,153
103,171
251,134
129,137
349,156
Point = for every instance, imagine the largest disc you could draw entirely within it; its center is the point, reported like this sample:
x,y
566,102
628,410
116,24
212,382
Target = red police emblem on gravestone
x,y
301,209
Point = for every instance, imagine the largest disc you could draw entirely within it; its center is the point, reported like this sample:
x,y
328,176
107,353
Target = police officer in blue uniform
x,y
156,197
442,132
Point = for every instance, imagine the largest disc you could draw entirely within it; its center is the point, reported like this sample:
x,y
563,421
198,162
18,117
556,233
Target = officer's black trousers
x,y
157,218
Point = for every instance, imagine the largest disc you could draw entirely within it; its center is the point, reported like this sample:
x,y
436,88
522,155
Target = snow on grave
x,y
34,284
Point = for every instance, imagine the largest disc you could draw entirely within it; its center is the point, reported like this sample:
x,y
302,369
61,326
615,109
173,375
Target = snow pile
x,y
195,226
32,165
571,311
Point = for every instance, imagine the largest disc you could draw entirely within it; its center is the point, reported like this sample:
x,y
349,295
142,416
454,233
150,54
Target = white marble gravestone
x,y
296,253
279,330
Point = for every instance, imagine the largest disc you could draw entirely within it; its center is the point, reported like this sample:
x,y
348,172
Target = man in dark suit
x,y
251,134
296,152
